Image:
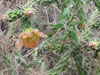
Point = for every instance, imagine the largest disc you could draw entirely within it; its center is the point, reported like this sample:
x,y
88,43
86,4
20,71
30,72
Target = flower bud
x,y
29,13
93,44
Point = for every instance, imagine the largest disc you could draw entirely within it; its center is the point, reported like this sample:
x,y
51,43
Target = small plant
x,y
29,36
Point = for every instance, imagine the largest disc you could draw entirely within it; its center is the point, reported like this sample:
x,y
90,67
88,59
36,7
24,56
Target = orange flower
x,y
29,38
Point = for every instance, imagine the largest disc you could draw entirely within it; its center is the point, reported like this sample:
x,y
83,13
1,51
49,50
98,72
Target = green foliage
x,y
94,17
64,16
12,15
11,30
47,2
59,67
97,3
97,71
23,62
25,23
78,4
56,26
8,63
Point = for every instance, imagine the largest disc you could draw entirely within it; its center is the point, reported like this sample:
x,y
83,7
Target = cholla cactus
x,y
12,15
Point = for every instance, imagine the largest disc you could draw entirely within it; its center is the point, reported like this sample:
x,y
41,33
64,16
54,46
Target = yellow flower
x,y
29,38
